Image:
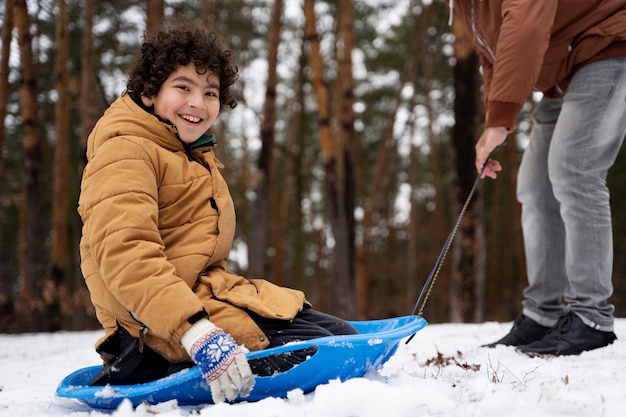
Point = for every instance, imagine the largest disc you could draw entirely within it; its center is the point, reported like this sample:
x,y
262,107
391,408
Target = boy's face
x,y
189,100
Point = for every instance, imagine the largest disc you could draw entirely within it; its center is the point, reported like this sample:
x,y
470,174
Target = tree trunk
x,y
439,227
412,247
87,111
342,294
345,254
87,82
284,201
257,243
32,234
155,14
412,259
302,177
61,174
467,278
7,29
205,11
436,227
317,78
382,176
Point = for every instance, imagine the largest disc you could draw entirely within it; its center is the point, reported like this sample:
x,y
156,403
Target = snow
x,y
443,371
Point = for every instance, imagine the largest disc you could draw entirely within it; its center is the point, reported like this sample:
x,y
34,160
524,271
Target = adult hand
x,y
491,138
222,363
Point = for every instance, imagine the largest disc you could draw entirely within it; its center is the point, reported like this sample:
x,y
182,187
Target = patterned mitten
x,y
222,363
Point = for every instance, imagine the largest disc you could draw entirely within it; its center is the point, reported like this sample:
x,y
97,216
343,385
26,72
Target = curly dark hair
x,y
173,46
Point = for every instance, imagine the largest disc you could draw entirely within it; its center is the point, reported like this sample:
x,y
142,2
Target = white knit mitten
x,y
222,362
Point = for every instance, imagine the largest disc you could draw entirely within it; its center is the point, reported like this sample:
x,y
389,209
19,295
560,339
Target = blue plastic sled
x,y
337,357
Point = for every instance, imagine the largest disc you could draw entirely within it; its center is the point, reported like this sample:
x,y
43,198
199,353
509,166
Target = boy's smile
x,y
188,100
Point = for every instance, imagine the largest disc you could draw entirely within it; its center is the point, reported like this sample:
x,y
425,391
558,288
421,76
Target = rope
x,y
432,277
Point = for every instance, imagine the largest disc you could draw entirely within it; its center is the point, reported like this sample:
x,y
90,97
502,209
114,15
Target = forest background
x,y
349,156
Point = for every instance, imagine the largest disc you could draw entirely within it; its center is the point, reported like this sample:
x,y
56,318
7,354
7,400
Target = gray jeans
x,y
566,216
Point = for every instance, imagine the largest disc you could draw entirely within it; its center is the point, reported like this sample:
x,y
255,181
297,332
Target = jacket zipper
x,y
188,149
478,36
192,157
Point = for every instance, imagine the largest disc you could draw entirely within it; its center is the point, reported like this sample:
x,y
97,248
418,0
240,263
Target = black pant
x,y
130,366
308,324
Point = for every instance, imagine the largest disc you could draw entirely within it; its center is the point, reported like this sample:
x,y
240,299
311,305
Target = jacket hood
x,y
126,118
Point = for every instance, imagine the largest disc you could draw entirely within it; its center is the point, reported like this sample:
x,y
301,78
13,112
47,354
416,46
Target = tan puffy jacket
x,y
538,44
158,225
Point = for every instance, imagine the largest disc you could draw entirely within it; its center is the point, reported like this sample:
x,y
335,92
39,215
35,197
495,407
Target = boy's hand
x,y
222,363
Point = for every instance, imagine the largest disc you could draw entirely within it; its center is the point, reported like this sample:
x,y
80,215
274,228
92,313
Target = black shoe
x,y
128,365
524,331
569,336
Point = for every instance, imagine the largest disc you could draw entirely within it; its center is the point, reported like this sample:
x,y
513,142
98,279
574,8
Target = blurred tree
x,y
359,111
320,89
32,228
8,253
395,251
76,302
422,82
285,199
87,114
262,186
155,14
333,161
59,247
205,10
344,191
7,29
376,196
467,277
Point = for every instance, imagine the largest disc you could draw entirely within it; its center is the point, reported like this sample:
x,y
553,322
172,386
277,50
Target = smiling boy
x,y
159,223
189,100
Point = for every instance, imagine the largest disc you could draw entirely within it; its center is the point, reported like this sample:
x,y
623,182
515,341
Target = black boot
x,y
569,336
130,365
523,332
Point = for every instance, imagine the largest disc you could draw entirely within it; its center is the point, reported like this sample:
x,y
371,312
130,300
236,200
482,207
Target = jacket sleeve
x,y
522,43
119,209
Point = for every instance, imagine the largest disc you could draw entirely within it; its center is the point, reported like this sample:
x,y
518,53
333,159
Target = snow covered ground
x,y
443,371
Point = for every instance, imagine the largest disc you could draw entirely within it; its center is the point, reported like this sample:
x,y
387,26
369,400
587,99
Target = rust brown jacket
x,y
537,44
158,225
